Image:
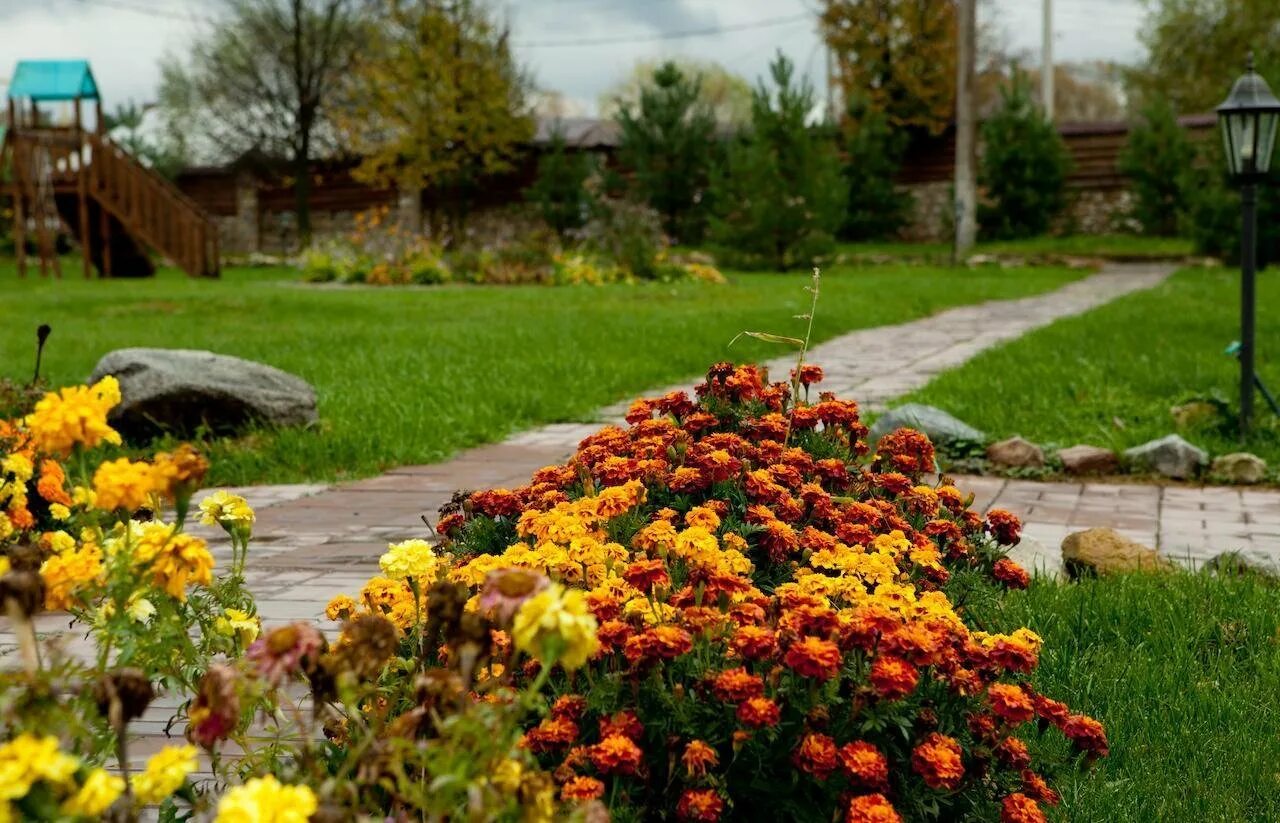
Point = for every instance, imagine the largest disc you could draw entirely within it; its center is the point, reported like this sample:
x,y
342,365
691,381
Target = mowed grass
x,y
1184,671
1110,376
413,375
1110,246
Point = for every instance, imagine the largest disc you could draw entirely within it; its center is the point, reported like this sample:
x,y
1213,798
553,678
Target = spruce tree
x,y
779,197
560,192
1157,158
668,144
873,155
1024,167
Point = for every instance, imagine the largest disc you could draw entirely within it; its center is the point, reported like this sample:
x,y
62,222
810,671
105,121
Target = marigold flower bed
x,y
732,608
774,627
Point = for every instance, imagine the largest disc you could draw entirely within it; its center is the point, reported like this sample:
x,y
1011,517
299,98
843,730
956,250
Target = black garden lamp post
x,y
1248,118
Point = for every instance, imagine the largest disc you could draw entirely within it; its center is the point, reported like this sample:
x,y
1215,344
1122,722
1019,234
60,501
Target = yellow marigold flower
x,y
556,626
6,526
65,574
507,774
139,608
59,512
184,561
239,623
99,791
4,565
76,415
58,542
27,759
180,472
341,607
226,510
124,484
18,465
84,497
165,773
266,800
703,517
410,559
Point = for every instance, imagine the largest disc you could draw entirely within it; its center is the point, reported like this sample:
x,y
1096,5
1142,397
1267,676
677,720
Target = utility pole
x,y
1046,62
966,186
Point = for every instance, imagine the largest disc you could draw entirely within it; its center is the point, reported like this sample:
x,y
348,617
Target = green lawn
x,y
1111,246
1110,376
1184,671
412,375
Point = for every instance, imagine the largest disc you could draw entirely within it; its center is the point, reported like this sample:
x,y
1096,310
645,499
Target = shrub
x,y
1213,219
780,197
560,190
877,208
668,143
1024,167
776,629
1157,158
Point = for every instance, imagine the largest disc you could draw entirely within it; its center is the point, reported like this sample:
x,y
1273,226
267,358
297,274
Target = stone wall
x,y
1089,211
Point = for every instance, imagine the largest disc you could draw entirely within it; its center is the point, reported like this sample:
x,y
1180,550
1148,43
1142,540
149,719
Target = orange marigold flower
x,y
1013,753
625,723
865,765
871,808
737,685
698,757
754,643
893,678
1010,703
646,574
1054,711
616,754
50,486
816,755
658,643
814,657
1034,786
808,374
1004,526
551,733
1018,808
1010,574
905,450
939,761
700,806
581,789
759,712
1087,734
570,705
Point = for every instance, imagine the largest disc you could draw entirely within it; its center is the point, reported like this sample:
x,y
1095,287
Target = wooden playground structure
x,y
66,176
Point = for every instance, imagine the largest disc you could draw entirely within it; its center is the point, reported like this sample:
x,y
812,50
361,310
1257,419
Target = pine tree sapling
x,y
873,154
779,197
668,145
560,190
1024,167
1157,159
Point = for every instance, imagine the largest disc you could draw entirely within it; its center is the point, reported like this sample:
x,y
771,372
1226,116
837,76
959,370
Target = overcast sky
x,y
124,39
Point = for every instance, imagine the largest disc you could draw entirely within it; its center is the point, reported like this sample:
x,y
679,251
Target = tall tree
x,y
725,94
262,78
1196,49
779,197
437,100
668,144
873,150
899,54
1158,158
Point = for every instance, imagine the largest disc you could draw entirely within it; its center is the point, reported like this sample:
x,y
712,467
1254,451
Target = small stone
x,y
1194,413
1170,456
181,390
939,426
1102,551
1085,459
1239,467
1016,453
1236,564
1037,559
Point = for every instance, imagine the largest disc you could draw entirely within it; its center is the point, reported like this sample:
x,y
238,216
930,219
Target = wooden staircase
x,y
115,207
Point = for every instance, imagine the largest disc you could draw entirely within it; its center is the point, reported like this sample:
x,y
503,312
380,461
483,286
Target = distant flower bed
x,y
733,607
385,255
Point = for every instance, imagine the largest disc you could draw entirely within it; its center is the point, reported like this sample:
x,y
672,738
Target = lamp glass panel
x,y
1266,139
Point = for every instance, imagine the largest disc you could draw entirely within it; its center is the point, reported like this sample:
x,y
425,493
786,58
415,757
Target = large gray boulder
x,y
937,424
1170,456
181,390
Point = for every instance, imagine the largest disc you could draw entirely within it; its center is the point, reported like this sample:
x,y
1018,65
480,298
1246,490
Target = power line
x,y
149,11
670,35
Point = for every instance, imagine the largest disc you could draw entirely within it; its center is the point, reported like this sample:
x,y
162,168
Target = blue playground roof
x,y
53,80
